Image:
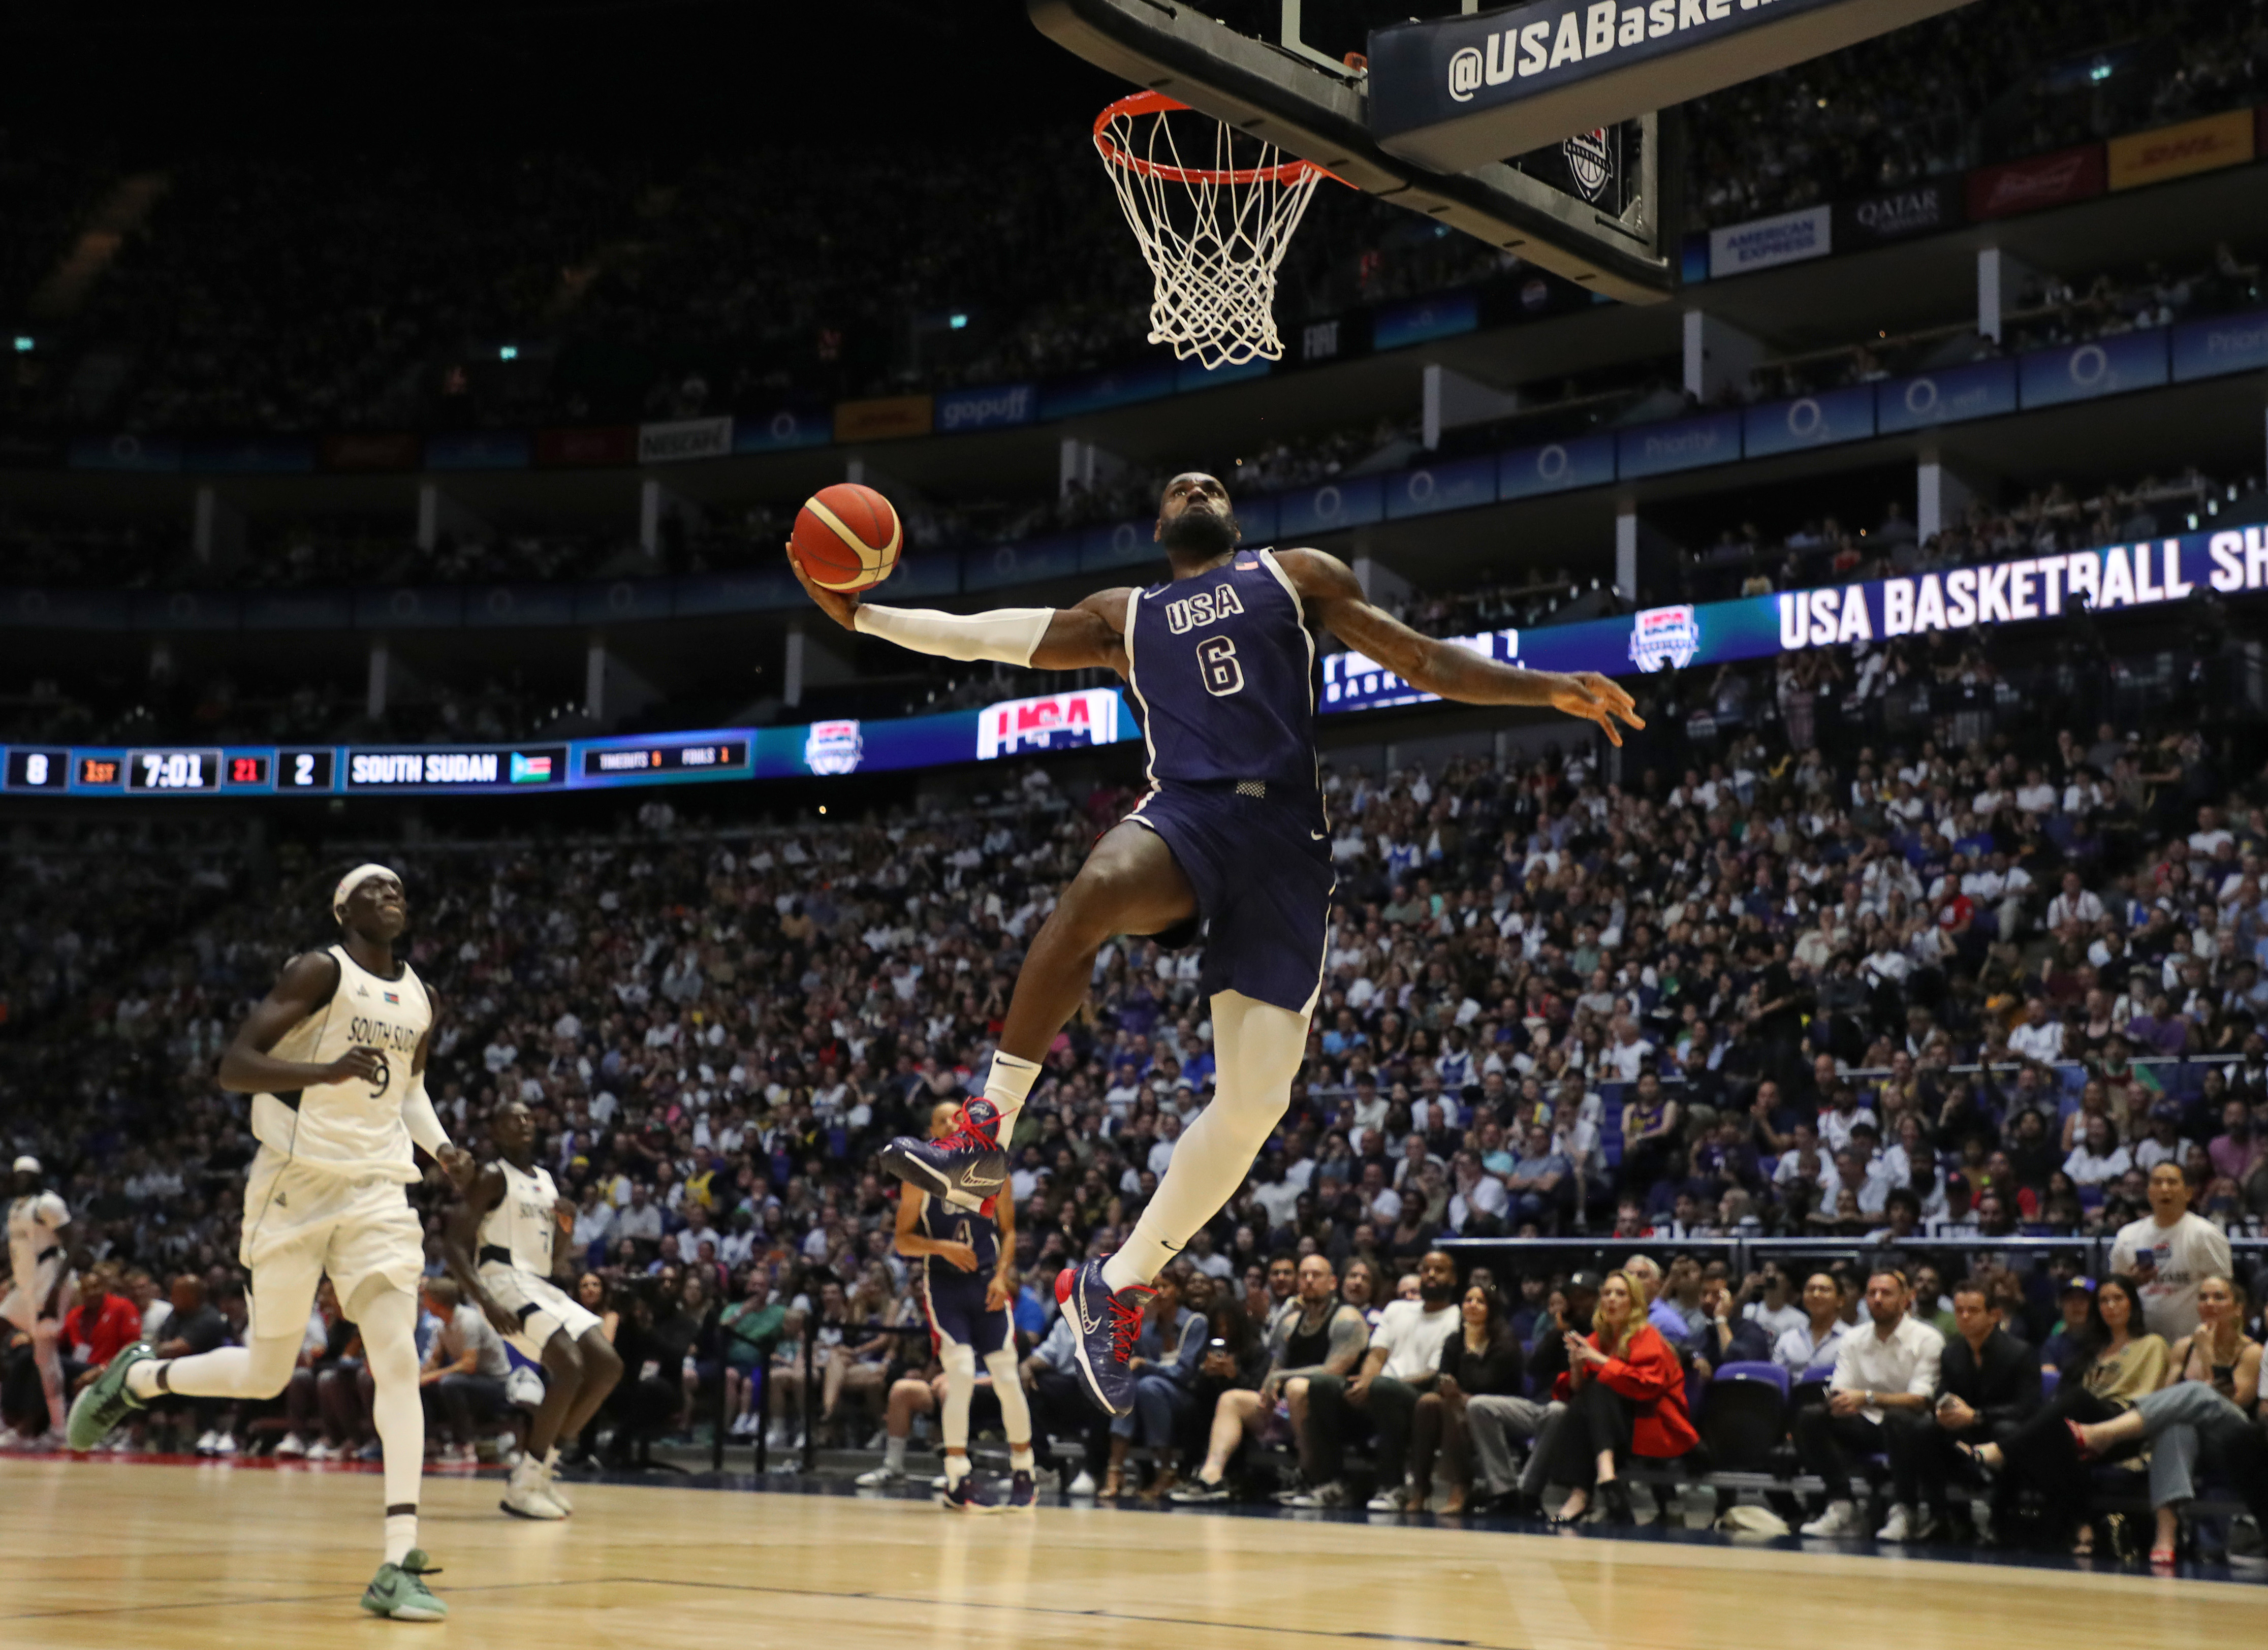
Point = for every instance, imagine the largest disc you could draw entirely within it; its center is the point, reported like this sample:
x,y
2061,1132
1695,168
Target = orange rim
x,y
1158,103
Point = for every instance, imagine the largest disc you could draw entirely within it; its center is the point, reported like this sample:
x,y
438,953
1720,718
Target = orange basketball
x,y
847,537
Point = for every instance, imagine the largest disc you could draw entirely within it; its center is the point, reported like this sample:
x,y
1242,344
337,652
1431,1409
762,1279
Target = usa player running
x,y
1220,658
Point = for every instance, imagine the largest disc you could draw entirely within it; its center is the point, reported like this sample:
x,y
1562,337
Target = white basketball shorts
x,y
301,1222
543,1308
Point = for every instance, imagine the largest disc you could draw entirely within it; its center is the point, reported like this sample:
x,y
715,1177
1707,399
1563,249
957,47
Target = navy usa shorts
x,y
957,1316
1260,866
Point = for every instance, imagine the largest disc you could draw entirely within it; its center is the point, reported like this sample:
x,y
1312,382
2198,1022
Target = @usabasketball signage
x,y
1458,93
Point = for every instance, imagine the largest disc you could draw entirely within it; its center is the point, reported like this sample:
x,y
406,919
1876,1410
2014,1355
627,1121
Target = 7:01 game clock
x,y
173,771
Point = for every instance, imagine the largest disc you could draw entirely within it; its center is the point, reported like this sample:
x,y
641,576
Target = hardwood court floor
x,y
107,1554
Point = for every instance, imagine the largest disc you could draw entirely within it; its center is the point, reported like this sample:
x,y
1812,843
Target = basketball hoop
x,y
1213,235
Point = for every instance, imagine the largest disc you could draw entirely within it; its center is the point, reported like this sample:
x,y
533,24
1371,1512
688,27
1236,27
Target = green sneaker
x,y
96,1412
398,1591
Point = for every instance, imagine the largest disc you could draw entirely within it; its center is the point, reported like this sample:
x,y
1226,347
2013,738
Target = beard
x,y
1201,533
1440,1297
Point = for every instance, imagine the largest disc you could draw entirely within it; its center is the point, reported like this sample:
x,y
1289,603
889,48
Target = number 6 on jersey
x,y
1216,664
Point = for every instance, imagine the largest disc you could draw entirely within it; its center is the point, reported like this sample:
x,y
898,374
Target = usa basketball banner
x,y
1453,94
2107,580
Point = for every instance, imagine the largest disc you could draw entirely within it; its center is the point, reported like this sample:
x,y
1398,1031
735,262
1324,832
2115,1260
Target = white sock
x,y
1007,1085
893,1455
400,1536
956,1468
1258,1048
1020,1457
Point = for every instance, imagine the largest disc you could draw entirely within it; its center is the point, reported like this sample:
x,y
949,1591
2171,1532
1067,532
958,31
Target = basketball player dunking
x,y
499,1244
1221,658
333,1057
967,1281
43,1287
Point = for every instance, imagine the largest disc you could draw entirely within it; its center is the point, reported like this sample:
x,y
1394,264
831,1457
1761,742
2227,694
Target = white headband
x,y
354,879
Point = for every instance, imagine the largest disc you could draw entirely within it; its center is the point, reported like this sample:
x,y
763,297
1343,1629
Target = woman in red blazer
x,y
1626,1395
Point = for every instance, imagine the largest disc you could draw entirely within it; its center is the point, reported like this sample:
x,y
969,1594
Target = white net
x,y
1213,225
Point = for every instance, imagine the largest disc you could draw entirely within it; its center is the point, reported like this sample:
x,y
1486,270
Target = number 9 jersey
x,y
354,1127
1222,665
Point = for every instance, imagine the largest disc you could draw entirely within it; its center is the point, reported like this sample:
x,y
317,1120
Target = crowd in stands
x,y
1976,85
386,290
1889,992
296,294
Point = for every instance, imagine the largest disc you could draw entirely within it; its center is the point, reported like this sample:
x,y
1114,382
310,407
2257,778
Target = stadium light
x,y
22,344
510,352
957,321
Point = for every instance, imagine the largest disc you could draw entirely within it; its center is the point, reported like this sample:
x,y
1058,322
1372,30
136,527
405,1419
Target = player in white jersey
x,y
499,1244
43,1287
333,1057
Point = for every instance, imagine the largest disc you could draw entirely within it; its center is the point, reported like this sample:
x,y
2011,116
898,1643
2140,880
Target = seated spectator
x,y
1726,1339
1888,1363
2201,1413
2124,1361
1479,1358
1164,1364
748,1330
1495,1420
1626,1395
2065,1351
1319,1334
1988,1381
101,1325
1401,1361
464,1371
1057,1394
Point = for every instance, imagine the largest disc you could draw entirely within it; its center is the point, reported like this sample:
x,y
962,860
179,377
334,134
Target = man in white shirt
x,y
1627,1054
2169,1251
1402,1362
2039,1037
2077,907
1885,1366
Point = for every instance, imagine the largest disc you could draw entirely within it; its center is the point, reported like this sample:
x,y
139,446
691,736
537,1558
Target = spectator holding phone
x,y
1988,1382
1626,1395
2169,1253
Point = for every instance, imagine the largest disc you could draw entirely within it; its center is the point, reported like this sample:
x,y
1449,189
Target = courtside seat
x,y
1743,1416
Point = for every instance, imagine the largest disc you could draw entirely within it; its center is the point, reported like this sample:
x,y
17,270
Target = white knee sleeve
x,y
388,1322
960,1362
1015,1413
1257,1048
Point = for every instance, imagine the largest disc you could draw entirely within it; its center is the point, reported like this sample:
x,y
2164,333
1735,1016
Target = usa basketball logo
x,y
1663,636
1590,162
833,747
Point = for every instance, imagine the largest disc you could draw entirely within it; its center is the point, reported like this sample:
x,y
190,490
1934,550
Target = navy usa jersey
x,y
1224,667
943,1223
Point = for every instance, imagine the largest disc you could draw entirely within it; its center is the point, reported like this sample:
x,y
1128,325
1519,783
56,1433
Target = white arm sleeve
x,y
1007,636
425,1123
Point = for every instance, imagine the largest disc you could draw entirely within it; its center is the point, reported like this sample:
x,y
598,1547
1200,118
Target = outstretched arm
x,y
1046,639
1329,590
